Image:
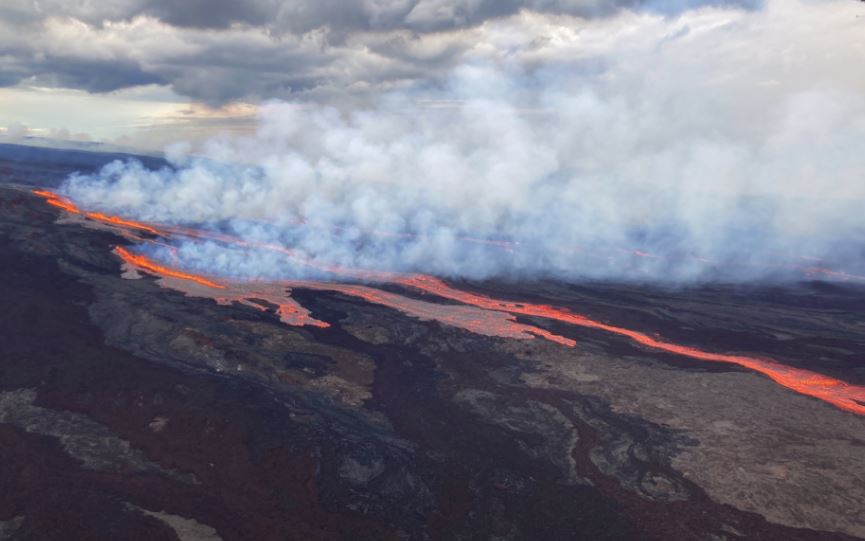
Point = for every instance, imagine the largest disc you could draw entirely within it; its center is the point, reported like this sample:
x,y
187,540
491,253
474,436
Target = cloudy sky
x,y
146,72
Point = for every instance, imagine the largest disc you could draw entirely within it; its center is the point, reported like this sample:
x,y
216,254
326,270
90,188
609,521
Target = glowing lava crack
x,y
476,313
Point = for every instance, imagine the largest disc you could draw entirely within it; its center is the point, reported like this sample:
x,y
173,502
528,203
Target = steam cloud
x,y
727,143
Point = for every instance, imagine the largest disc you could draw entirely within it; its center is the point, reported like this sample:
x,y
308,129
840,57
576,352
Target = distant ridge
x,y
43,166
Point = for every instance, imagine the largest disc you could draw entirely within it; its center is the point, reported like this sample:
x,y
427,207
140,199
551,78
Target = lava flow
x,y
836,392
477,313
148,265
258,295
471,318
65,204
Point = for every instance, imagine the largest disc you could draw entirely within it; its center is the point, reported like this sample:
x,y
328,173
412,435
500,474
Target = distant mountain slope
x,y
39,166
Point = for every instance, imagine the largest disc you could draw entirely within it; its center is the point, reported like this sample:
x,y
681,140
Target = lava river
x,y
477,313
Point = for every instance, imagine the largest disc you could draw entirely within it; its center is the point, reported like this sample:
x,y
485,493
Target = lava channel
x,y
65,204
260,294
836,392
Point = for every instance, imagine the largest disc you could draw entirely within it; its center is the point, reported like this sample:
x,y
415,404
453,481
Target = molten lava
x,y
67,205
836,392
258,294
476,313
479,321
57,201
146,264
114,220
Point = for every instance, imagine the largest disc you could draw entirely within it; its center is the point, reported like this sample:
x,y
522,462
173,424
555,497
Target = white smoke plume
x,y
728,144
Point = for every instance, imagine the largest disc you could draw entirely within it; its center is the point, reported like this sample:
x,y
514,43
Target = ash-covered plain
x,y
130,410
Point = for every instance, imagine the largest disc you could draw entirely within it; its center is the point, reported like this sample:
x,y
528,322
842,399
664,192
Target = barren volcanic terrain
x,y
141,401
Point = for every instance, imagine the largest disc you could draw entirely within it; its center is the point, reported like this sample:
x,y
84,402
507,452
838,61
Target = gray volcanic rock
x,y
557,434
84,439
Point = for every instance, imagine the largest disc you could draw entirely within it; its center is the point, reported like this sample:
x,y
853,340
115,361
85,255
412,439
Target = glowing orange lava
x,y
479,321
57,201
253,293
104,218
836,392
63,203
143,262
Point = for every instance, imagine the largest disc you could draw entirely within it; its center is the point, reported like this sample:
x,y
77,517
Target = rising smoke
x,y
726,144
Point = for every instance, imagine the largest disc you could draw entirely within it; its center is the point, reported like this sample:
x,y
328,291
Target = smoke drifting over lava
x,y
719,144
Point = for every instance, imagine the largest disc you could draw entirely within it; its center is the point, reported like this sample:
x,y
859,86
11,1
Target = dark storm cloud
x,y
222,50
226,72
338,15
211,13
93,75
346,16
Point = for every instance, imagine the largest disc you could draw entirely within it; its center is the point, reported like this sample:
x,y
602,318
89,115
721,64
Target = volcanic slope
x,y
240,426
